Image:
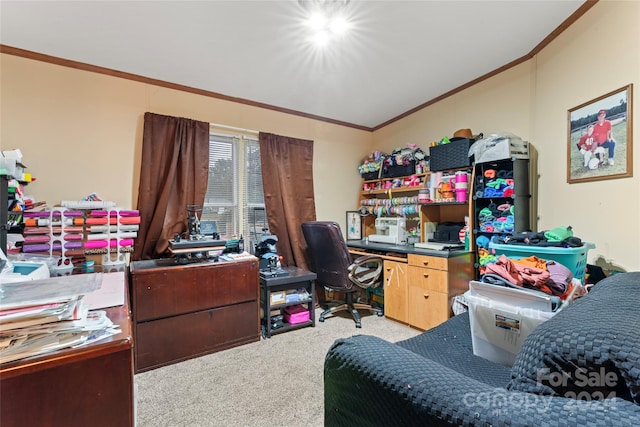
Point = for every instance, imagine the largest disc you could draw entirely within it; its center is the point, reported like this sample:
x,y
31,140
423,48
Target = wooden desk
x,y
90,385
185,311
419,284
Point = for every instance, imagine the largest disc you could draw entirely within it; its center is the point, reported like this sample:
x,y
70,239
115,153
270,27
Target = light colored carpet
x,y
274,382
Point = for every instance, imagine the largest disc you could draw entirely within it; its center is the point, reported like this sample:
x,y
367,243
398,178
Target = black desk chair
x,y
331,261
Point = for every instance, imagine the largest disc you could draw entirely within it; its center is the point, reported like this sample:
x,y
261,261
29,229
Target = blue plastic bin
x,y
575,259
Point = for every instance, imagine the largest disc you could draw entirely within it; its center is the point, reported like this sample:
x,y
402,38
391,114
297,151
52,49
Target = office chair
x,y
331,261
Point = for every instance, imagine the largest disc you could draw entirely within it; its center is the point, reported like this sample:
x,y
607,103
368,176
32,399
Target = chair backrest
x,y
328,254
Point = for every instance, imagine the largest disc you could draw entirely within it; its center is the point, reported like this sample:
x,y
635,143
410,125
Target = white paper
x,y
110,294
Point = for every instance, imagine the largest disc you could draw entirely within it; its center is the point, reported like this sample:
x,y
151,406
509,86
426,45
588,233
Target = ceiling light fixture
x,y
326,19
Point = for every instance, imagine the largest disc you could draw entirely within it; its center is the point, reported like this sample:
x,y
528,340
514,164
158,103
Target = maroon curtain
x,y
174,174
287,178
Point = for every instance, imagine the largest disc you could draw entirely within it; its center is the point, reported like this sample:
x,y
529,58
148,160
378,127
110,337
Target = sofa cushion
x,y
449,344
588,351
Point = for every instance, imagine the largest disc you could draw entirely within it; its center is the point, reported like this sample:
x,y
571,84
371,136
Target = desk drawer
x,y
164,341
427,308
438,263
175,291
428,278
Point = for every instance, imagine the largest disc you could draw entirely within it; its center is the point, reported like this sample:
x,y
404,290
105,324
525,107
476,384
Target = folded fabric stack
x,y
531,272
498,188
497,218
556,237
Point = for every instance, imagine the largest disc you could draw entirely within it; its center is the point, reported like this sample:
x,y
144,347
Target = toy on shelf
x,y
370,166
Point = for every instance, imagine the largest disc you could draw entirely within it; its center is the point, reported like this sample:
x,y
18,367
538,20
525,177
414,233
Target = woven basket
x,y
450,156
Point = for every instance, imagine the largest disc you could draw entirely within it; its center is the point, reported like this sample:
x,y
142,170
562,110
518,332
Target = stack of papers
x,y
23,317
42,316
237,257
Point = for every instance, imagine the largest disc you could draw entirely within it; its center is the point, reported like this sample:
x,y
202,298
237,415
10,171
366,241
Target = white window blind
x,y
235,196
254,214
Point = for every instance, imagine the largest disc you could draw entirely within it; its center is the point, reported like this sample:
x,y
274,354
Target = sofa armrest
x,y
369,381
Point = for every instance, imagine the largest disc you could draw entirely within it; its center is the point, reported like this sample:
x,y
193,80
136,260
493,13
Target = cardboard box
x,y
278,298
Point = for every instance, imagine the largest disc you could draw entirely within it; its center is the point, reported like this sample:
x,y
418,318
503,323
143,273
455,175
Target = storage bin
x,y
7,166
450,156
399,170
503,149
370,176
575,259
501,320
295,314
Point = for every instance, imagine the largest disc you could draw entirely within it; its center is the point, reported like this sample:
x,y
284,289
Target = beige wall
x,y
532,100
495,105
81,132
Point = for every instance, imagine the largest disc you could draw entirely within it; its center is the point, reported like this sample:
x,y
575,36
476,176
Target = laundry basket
x,y
575,259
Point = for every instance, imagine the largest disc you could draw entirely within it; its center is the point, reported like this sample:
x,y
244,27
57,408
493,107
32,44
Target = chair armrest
x,y
369,381
366,258
363,276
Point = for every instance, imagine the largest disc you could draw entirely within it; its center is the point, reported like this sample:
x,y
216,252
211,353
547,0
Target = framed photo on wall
x,y
600,138
354,225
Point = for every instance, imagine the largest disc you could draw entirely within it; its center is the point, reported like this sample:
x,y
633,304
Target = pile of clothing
x,y
558,237
532,272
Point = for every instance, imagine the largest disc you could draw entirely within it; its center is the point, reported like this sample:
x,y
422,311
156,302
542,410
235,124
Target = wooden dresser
x,y
185,311
90,385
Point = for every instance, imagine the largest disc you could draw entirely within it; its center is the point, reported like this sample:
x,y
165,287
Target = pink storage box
x,y
295,314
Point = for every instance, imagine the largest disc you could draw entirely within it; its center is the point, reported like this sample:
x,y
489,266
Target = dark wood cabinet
x,y
91,385
185,311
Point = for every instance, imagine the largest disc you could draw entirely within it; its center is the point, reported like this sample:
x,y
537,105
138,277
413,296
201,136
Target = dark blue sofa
x,y
580,368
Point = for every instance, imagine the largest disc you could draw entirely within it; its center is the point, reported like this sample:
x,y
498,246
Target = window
x,y
235,197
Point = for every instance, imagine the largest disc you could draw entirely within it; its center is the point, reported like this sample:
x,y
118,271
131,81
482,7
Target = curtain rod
x,y
234,129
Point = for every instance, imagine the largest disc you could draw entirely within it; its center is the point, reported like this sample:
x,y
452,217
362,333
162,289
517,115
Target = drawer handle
x,y
426,276
425,262
425,296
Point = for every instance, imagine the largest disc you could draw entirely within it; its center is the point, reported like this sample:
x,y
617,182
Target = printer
x,y
392,230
